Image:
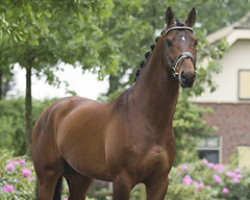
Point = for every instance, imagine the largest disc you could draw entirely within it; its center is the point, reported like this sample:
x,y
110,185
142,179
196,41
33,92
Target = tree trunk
x,y
28,111
1,88
113,84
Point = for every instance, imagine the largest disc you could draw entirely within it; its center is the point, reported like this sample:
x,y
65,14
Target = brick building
x,y
231,100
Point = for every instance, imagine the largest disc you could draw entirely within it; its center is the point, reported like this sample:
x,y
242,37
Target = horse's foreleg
x,y
46,187
78,185
157,190
122,187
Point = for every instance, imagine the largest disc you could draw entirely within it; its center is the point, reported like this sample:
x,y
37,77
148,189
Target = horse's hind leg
x,y
78,184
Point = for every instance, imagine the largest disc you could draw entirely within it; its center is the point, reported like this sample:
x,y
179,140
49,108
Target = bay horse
x,y
127,141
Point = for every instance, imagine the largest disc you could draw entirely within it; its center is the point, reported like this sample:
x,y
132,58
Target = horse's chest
x,y
155,163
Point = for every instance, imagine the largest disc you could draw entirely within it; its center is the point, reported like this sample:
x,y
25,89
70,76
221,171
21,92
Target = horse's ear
x,y
169,16
191,18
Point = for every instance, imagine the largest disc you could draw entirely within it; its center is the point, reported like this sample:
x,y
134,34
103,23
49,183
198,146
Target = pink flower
x,y
10,167
198,185
237,171
236,181
210,165
238,176
184,168
201,185
204,161
230,174
217,178
22,162
225,191
26,173
219,168
187,180
15,162
8,188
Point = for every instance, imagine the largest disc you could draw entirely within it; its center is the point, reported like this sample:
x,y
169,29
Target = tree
x,y
38,41
6,78
12,129
105,37
146,19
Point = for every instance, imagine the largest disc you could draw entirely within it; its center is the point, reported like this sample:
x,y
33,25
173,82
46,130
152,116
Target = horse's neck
x,y
155,93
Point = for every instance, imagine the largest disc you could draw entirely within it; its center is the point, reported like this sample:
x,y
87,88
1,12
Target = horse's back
x,y
56,112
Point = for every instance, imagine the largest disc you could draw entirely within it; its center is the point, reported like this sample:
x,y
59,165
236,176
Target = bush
x,y
12,123
17,178
207,181
197,181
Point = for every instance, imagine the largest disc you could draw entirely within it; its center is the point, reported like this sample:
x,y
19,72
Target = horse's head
x,y
180,48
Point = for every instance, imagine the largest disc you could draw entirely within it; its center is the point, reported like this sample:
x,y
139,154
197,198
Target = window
x,y
244,85
209,148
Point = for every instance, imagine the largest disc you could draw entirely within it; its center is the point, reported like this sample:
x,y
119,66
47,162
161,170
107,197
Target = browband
x,y
182,56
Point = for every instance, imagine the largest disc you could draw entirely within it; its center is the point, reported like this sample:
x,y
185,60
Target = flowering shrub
x,y
17,178
207,181
198,181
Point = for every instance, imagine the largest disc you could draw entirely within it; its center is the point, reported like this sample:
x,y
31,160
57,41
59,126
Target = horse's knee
x,y
46,190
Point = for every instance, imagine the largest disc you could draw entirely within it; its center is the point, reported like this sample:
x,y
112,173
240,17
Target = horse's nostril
x,y
188,76
194,76
183,74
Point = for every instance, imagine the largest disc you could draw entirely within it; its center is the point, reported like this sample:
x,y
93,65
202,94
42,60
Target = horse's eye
x,y
169,43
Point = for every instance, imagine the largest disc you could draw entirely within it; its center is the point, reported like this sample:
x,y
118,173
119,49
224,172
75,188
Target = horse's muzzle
x,y
187,78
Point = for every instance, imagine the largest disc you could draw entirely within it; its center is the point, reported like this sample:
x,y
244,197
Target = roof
x,y
233,32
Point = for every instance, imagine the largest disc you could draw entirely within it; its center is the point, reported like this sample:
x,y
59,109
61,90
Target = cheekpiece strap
x,y
182,56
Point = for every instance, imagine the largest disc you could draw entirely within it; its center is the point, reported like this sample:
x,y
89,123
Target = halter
x,y
182,56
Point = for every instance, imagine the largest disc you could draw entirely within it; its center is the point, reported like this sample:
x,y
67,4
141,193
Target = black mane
x,y
152,46
179,22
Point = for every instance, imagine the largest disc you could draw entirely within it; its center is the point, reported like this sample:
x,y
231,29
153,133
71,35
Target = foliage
x,y
207,181
199,180
12,124
189,127
147,18
202,180
32,37
106,37
213,15
40,35
17,178
12,128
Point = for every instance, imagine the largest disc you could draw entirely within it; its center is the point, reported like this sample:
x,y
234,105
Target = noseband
x,y
182,56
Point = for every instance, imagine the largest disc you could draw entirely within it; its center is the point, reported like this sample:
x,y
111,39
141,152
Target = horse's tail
x,y
36,189
58,190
